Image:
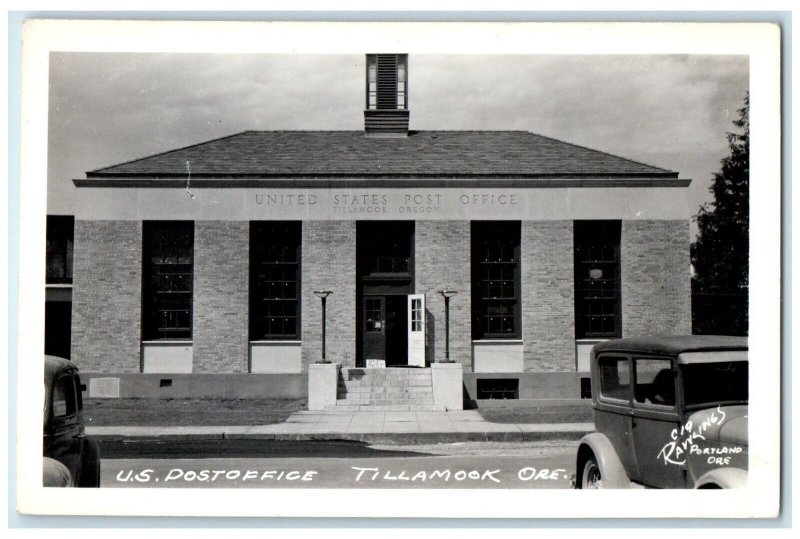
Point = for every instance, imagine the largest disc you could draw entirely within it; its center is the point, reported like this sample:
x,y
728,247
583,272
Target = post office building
x,y
202,270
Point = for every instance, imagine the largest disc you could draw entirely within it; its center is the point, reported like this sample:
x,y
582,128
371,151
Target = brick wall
x,y
107,297
548,305
329,263
656,289
442,261
220,312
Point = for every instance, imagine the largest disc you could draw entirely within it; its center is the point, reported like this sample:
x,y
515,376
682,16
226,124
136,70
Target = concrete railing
x,y
447,385
323,379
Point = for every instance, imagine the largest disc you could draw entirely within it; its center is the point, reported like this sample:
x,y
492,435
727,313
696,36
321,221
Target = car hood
x,y
725,424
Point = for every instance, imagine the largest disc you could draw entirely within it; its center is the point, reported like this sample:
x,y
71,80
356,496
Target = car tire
x,y
90,468
591,476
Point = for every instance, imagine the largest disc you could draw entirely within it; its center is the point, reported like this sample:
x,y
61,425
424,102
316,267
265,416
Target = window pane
x,y
495,279
709,383
59,247
615,378
597,282
274,279
655,382
64,397
168,259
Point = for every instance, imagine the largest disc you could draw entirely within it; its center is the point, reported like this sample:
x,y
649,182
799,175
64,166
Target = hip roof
x,y
422,154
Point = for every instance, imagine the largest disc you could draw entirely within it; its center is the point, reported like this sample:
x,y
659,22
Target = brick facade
x,y
329,263
107,297
442,261
106,319
220,304
656,290
548,306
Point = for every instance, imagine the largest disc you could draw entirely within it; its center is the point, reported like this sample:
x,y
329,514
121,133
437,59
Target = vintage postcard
x,y
307,269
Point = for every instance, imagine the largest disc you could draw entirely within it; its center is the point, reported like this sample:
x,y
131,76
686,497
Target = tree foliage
x,y
720,253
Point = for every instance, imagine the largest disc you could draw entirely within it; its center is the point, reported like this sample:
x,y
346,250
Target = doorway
x,y
385,329
384,252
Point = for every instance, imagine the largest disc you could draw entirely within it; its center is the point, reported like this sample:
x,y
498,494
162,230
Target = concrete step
x,y
391,408
401,399
384,402
384,379
384,390
385,383
387,370
383,373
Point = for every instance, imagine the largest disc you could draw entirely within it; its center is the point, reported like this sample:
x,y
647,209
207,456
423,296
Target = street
x,y
335,464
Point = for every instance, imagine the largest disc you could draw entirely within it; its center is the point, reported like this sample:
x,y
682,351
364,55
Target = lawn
x,y
539,414
188,412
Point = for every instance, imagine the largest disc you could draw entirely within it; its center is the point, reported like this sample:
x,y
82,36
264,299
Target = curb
x,y
380,438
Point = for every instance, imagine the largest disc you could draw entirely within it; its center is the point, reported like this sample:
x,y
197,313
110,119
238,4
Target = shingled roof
x,y
422,154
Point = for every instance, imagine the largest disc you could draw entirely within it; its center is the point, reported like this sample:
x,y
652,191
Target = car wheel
x,y
591,478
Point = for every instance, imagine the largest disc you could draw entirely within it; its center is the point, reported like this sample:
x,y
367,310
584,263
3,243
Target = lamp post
x,y
323,295
447,294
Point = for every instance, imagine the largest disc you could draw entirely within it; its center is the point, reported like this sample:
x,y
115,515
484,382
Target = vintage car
x,y
669,412
70,457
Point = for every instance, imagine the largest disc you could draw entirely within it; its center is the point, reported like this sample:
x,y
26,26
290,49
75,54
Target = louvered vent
x,y
387,94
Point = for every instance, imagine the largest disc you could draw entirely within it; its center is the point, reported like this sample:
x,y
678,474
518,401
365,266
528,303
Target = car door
x,y
657,438
613,415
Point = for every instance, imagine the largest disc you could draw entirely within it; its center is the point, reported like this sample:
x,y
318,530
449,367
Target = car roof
x,y
54,364
673,344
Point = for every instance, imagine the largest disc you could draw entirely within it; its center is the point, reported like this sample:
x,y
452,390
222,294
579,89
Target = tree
x,y
720,253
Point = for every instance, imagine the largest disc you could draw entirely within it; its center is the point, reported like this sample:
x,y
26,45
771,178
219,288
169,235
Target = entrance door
x,y
374,327
416,330
385,329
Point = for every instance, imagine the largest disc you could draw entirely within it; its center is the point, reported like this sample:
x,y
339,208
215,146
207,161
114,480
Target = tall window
x,y
168,272
597,279
495,280
59,249
275,280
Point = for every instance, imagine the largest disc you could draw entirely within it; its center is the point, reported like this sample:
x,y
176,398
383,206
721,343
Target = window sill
x,y
169,341
58,285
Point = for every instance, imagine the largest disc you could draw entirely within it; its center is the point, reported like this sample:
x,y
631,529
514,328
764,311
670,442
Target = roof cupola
x,y
386,111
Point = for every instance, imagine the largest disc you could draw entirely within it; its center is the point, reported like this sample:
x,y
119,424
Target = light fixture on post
x,y
447,294
323,295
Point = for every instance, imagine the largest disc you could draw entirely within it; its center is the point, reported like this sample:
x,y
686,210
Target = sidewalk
x,y
372,427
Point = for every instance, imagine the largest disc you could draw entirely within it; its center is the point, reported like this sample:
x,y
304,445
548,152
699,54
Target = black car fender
x,y
89,475
611,468
55,474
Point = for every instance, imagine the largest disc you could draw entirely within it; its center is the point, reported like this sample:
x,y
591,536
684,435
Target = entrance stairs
x,y
386,390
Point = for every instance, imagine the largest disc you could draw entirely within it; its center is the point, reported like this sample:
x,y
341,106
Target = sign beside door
x,y
416,330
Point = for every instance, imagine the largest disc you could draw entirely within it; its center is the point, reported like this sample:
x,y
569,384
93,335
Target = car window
x,y
710,383
615,377
64,397
655,382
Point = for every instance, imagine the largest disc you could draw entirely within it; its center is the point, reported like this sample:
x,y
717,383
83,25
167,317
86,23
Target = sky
x,y
667,111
